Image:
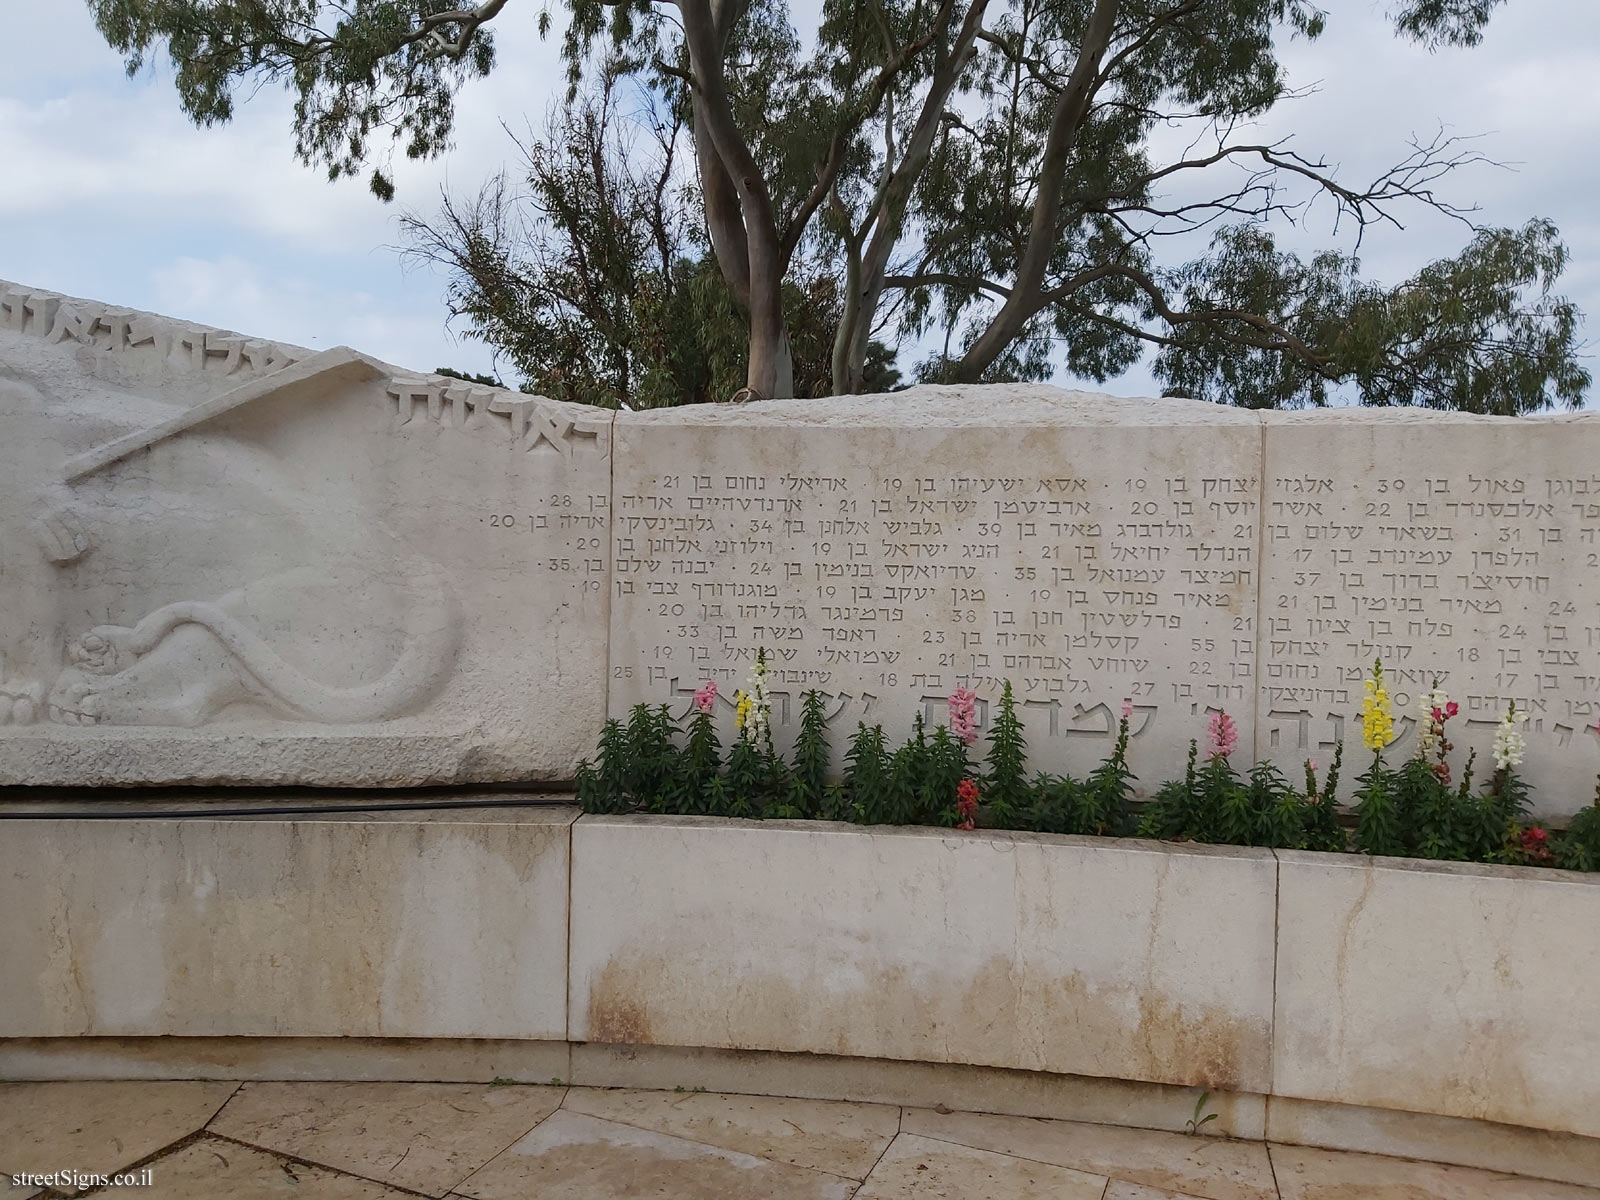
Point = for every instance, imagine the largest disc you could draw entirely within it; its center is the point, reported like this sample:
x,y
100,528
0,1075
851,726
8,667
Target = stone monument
x,y
228,560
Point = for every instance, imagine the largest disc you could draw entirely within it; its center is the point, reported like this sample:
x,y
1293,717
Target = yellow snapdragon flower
x,y
1377,713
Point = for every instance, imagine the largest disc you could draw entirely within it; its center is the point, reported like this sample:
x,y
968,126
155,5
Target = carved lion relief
x,y
200,580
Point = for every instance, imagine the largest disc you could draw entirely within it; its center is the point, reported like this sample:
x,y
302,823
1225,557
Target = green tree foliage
x,y
591,274
984,171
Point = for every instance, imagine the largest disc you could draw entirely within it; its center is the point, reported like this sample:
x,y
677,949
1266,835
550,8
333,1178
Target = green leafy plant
x,y
1322,828
654,763
1579,848
1196,1122
1005,785
811,757
866,773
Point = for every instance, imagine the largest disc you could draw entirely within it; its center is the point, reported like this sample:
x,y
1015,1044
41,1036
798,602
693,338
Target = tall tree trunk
x,y
893,198
724,219
770,369
847,372
1071,108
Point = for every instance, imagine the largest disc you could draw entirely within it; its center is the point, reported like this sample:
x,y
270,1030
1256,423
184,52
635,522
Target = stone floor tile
x,y
1208,1167
212,1169
925,1169
423,1136
573,1156
840,1138
1122,1190
1308,1174
98,1128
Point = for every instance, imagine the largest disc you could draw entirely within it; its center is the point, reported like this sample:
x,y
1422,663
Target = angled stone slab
x,y
211,1167
840,1138
1183,1163
225,560
426,1137
571,1156
98,1128
919,1168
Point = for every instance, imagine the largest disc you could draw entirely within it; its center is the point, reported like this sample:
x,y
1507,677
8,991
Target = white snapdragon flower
x,y
758,720
1430,730
1509,744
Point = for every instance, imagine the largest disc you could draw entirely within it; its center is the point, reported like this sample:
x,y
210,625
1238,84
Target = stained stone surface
x,y
1089,549
1307,1174
425,1137
211,1168
575,1157
842,1139
358,1142
98,1128
918,1168
443,924
1079,956
1436,987
1181,1163
228,560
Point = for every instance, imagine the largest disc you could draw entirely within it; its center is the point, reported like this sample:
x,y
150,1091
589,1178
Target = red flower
x,y
1451,709
1534,843
966,804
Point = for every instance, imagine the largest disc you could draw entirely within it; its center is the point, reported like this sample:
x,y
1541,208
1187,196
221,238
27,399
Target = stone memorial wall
x,y
887,551
228,560
223,559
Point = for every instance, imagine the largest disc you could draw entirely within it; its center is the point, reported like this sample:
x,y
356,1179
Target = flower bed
x,y
656,763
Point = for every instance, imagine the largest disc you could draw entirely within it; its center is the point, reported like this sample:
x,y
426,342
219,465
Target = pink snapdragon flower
x,y
1127,710
1222,735
705,695
964,714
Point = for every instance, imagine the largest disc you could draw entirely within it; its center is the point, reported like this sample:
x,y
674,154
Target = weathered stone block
x,y
1459,990
399,925
1123,960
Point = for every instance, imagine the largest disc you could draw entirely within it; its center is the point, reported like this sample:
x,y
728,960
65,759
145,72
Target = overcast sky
x,y
107,191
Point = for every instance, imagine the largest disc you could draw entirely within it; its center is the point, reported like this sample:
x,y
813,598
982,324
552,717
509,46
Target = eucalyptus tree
x,y
992,170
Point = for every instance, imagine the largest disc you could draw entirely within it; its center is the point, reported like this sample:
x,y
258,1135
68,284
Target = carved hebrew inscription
x,y
532,422
885,568
1464,553
112,330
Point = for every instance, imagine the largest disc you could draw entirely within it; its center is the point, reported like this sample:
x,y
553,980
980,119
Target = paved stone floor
x,y
384,1141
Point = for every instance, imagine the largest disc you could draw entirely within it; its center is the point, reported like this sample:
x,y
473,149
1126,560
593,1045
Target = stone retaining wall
x,y
1457,991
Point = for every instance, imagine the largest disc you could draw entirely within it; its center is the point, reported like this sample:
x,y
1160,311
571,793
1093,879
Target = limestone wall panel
x,y
1114,959
391,926
1465,991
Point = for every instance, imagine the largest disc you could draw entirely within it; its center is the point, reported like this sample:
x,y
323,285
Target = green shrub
x,y
640,766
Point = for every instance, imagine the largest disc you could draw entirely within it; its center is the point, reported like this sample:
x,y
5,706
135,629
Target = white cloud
x,y
245,295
